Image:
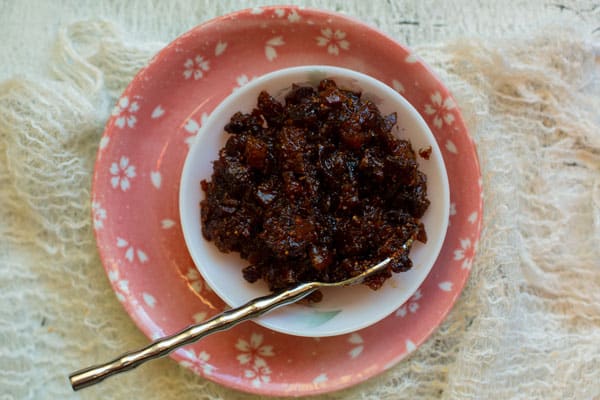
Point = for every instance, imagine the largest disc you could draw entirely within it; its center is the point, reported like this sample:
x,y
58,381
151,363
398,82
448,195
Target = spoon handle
x,y
130,360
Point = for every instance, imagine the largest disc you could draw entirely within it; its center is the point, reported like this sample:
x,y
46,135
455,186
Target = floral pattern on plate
x,y
135,198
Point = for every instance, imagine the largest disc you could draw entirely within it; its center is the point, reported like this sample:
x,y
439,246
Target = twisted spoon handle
x,y
253,309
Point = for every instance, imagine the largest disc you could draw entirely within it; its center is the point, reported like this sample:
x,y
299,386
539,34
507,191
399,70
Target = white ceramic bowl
x,y
342,310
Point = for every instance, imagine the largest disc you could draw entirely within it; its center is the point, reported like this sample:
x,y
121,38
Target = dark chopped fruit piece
x,y
425,153
315,189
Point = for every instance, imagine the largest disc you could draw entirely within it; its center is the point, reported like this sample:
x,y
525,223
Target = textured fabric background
x,y
527,77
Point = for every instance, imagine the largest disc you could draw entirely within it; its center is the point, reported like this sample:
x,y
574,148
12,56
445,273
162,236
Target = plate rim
x,y
362,26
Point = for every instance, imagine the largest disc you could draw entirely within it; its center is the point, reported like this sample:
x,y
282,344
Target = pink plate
x,y
136,186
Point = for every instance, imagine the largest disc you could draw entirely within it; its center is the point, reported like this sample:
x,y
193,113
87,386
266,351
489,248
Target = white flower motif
x,y
195,67
193,127
99,215
200,359
411,306
259,373
452,212
242,80
122,286
149,299
157,112
124,111
322,378
167,223
253,349
195,281
104,142
270,47
440,110
200,317
450,146
465,253
131,252
398,86
411,58
452,209
251,355
220,48
334,40
473,217
293,16
156,179
358,341
122,173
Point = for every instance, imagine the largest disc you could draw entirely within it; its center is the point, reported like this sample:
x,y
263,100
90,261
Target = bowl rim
x,y
287,73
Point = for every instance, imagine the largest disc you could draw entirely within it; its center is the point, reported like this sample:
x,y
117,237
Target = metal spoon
x,y
253,309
